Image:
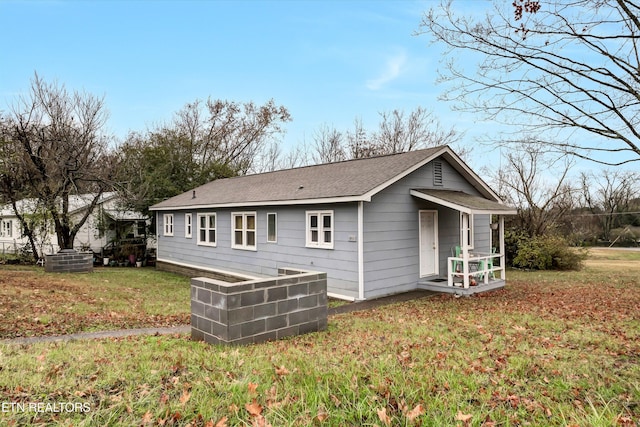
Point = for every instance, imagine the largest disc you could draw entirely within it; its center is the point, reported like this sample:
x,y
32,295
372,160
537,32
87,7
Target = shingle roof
x,y
462,201
348,180
77,202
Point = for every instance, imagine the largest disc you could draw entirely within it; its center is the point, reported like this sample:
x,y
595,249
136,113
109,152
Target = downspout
x,y
360,250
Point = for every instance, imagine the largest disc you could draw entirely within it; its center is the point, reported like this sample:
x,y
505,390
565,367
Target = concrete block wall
x,y
69,261
259,310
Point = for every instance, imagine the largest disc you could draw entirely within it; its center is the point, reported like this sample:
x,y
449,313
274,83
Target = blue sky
x,y
328,62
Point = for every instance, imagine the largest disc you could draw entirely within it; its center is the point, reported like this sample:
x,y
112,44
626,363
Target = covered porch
x,y
475,261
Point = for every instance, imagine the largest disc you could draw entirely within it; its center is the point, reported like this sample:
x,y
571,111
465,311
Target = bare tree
x,y
537,185
56,148
328,144
398,133
204,141
564,69
228,132
359,142
608,194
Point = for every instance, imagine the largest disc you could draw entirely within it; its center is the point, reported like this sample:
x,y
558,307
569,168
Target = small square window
x,y
320,229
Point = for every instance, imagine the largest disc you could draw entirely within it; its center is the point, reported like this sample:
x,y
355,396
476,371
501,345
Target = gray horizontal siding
x,y
481,233
391,227
340,263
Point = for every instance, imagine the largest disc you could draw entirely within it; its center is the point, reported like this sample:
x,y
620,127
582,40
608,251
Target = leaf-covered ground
x,y
551,349
33,303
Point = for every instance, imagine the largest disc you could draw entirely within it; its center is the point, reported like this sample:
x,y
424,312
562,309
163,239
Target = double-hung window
x,y
167,220
207,229
243,233
188,226
7,228
320,229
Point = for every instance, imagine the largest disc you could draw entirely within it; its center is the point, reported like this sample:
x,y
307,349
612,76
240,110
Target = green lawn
x,y
551,349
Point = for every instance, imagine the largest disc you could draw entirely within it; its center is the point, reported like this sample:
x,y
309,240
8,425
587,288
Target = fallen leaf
x,y
185,397
415,413
281,371
382,414
320,416
252,388
465,418
222,422
147,418
335,400
254,408
260,421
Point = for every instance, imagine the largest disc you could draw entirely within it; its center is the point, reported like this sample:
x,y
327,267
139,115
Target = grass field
x,y
551,349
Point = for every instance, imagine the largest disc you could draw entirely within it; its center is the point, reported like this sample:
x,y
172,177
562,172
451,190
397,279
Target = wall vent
x,y
437,173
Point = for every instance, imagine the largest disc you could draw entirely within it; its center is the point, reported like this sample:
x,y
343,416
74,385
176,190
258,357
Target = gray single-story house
x,y
376,226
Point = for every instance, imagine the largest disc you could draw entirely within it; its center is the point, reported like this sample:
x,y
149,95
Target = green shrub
x,y
513,239
549,253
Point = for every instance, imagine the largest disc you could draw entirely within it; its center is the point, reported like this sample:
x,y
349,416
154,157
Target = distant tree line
x,y
557,209
53,145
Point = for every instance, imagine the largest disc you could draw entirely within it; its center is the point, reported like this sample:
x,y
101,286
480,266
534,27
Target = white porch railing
x,y
475,267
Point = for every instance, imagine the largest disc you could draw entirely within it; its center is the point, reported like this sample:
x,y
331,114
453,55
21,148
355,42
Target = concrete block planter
x,y
258,310
69,261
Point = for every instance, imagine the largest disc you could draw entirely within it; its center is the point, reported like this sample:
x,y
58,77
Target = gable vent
x,y
437,173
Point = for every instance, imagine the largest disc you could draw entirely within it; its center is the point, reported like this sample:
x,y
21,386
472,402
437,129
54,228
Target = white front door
x,y
428,243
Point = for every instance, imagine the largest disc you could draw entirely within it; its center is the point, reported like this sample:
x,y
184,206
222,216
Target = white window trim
x,y
320,243
207,215
7,228
188,226
466,229
276,225
244,230
167,223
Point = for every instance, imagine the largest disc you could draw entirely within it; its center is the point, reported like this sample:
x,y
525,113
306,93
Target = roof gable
x,y
352,180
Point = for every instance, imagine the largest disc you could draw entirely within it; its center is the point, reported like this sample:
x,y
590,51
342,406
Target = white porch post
x,y
503,257
464,231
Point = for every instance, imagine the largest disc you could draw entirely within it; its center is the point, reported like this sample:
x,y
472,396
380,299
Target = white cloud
x,y
393,69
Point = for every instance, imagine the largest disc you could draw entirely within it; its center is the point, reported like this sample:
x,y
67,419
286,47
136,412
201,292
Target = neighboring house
x,y
107,223
376,226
